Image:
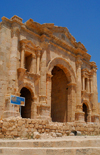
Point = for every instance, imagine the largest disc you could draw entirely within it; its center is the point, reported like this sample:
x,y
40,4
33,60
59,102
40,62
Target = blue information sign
x,y
17,100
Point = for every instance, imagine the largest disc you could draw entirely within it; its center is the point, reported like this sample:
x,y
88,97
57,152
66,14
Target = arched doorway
x,y
26,110
59,110
85,110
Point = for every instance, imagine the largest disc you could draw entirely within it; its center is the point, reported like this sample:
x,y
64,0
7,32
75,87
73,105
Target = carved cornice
x,y
86,72
46,32
29,47
93,65
16,19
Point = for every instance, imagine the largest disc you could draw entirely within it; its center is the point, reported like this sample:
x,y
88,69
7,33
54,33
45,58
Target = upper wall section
x,y
50,34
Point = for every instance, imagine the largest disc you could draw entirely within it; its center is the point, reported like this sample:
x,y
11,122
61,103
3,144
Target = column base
x,y
79,116
44,118
7,114
43,112
95,118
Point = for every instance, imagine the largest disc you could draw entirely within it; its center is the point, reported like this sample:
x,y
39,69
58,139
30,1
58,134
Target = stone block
x,y
36,135
59,134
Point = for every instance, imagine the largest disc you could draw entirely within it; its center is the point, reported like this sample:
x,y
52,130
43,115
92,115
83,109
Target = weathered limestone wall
x,y
28,53
55,52
25,128
5,44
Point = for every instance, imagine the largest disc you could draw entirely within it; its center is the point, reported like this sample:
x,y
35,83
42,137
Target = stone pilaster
x,y
71,87
33,64
48,87
94,97
34,108
89,116
43,107
88,89
91,86
38,62
4,57
43,78
22,58
13,110
79,116
83,84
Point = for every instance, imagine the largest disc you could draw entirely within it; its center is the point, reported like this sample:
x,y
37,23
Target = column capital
x,y
42,98
49,76
71,84
33,56
79,63
34,98
22,47
38,53
79,107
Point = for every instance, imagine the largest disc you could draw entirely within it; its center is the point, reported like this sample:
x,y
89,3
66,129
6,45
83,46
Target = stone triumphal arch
x,y
45,64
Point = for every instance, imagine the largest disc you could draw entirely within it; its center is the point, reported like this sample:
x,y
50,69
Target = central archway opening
x,y
85,110
26,110
59,96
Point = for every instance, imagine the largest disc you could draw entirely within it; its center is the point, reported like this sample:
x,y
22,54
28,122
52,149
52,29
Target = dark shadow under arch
x,y
85,110
26,110
59,95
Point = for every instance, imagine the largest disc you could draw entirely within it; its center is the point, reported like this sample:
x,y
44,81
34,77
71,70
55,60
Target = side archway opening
x,y
85,110
26,110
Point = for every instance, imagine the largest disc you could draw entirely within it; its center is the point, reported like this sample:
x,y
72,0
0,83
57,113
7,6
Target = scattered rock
x,y
71,134
59,134
79,133
36,135
53,134
67,132
45,136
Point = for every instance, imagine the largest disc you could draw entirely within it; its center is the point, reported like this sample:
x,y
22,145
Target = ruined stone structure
x,y
45,64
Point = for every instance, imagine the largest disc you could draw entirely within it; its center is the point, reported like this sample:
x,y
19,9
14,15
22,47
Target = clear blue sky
x,y
81,17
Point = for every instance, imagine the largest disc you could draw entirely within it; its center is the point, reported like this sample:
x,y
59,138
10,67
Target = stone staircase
x,y
60,146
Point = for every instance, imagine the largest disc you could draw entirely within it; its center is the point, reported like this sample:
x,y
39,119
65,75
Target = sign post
x,y
16,100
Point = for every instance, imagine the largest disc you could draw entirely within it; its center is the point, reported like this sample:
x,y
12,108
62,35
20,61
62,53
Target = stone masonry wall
x,y
25,128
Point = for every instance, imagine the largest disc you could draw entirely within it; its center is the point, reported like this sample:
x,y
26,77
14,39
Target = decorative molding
x,y
46,31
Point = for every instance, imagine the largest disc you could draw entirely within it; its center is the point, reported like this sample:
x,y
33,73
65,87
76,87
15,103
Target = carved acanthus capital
x,y
49,76
21,73
42,98
23,47
38,53
35,99
33,55
79,107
